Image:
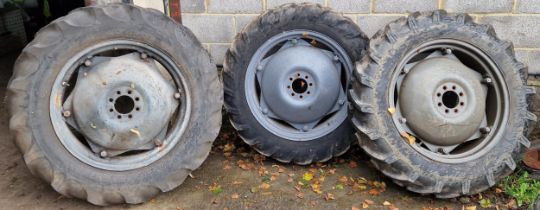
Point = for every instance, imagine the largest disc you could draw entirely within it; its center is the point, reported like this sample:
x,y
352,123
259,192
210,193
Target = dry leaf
x,y
354,208
235,196
470,208
392,110
386,203
308,176
264,186
228,148
329,196
290,180
300,195
365,205
370,202
343,179
374,192
353,164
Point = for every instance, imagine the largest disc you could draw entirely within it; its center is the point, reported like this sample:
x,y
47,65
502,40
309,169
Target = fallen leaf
x,y
308,176
332,171
369,202
353,164
300,195
235,196
316,188
354,208
290,180
329,196
386,203
365,205
470,208
236,182
228,148
215,188
410,138
343,179
392,110
264,186
374,192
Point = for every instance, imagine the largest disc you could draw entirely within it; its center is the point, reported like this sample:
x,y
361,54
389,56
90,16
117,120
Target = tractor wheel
x,y
285,79
441,104
114,104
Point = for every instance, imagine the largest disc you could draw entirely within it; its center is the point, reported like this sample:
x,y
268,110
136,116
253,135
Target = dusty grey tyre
x,y
443,160
265,68
105,73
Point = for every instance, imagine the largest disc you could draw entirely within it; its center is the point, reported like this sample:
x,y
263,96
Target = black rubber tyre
x,y
287,17
378,136
30,88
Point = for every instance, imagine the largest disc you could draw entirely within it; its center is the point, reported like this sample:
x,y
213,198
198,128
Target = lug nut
x,y
144,55
402,120
103,154
294,41
336,58
177,95
259,68
341,102
265,111
485,130
305,128
66,113
87,62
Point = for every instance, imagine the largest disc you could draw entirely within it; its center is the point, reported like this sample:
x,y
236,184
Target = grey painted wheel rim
x,y
489,130
283,107
164,131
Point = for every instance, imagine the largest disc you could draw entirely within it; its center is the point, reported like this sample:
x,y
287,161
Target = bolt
x,y
259,68
448,51
402,120
87,62
485,130
66,113
294,41
177,95
85,73
487,80
341,102
265,111
336,58
64,83
103,154
158,142
144,55
305,128
405,71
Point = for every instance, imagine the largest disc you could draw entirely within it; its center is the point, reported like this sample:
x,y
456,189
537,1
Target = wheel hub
x,y
122,103
300,84
455,99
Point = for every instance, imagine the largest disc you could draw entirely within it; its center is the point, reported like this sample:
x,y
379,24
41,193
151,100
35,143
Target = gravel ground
x,y
236,177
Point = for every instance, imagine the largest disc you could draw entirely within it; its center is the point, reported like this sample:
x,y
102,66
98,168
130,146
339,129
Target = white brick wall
x,y
216,22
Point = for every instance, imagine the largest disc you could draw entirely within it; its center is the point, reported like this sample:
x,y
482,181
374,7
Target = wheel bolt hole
x,y
306,77
301,96
290,79
137,108
111,100
439,104
119,117
453,87
288,87
308,92
446,111
461,94
450,99
444,87
310,84
124,104
438,94
298,74
130,116
137,99
292,94
299,86
129,91
111,110
456,111
118,92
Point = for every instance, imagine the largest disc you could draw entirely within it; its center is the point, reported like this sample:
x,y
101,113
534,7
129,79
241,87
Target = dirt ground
x,y
233,177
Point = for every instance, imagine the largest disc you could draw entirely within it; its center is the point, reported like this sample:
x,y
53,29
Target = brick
x,y
371,24
528,6
350,6
235,6
218,52
534,62
518,29
478,6
210,28
243,20
275,3
192,6
405,6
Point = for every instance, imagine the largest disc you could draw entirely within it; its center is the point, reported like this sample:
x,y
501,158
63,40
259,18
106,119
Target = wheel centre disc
x,y
122,103
300,84
443,101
